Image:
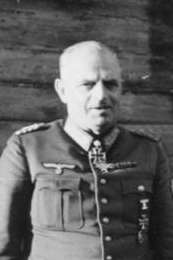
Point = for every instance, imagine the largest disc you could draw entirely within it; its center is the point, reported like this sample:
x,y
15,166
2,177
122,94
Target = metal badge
x,y
109,167
144,203
97,153
143,213
59,167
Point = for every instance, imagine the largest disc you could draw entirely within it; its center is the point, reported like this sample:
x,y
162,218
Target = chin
x,y
102,127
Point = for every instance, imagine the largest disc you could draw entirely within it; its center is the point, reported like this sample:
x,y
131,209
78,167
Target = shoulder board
x,y
146,133
31,128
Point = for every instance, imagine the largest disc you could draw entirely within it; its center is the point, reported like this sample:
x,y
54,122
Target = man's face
x,y
91,89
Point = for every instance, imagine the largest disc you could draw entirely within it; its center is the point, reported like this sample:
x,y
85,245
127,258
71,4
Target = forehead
x,y
90,63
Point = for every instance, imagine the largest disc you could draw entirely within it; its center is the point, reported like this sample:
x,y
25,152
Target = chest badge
x,y
108,167
59,167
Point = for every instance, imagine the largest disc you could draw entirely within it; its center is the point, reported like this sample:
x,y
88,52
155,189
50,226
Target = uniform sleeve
x,y
162,222
15,192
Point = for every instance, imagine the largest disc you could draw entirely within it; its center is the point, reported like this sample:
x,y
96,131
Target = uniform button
x,y
105,220
103,181
108,238
108,257
141,188
104,200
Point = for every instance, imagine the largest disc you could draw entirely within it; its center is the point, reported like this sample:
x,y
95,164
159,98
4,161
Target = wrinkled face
x,y
91,88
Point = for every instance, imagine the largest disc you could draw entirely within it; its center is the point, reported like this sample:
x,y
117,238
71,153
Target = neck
x,y
101,131
94,132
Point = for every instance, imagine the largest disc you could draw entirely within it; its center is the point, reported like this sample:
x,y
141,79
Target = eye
x,y
111,84
88,84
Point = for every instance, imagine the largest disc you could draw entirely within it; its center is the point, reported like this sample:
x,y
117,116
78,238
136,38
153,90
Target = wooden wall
x,y
33,33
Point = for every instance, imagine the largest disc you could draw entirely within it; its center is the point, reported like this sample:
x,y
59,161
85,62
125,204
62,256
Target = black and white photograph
x,y
86,130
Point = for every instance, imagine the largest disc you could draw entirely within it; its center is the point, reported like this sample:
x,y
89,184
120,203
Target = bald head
x,y
90,86
87,51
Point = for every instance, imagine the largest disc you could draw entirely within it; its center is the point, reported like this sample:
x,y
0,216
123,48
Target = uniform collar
x,y
84,139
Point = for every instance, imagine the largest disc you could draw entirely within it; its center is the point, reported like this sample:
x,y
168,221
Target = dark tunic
x,y
53,206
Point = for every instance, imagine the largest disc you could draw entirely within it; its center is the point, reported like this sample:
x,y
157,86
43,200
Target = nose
x,y
99,91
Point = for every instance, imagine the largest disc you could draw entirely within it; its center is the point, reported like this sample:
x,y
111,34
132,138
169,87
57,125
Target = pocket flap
x,y
63,183
69,184
136,186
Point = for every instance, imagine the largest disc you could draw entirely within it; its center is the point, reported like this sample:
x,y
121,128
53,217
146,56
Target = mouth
x,y
101,107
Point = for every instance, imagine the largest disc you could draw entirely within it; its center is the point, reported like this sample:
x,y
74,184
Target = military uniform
x,y
55,205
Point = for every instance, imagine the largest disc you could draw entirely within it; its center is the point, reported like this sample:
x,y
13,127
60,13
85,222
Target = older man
x,y
84,188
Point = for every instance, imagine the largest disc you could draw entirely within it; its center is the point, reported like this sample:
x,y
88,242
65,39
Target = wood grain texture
x,y
55,29
35,104
33,66
32,34
129,5
30,104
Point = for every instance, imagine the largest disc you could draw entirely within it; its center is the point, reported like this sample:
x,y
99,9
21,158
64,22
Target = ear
x,y
60,89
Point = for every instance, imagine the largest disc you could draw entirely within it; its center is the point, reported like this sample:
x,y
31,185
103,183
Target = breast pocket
x,y
136,199
57,203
